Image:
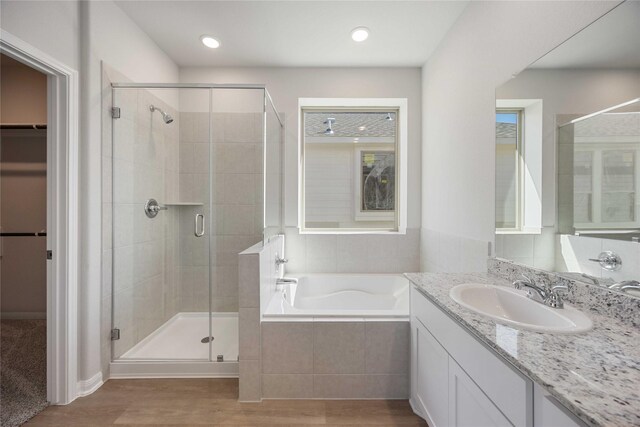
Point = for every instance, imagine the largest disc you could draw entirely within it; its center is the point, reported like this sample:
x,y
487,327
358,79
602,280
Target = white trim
x,y
401,104
23,315
172,369
62,215
86,387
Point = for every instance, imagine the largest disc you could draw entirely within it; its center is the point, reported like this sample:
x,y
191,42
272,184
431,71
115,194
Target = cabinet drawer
x,y
508,389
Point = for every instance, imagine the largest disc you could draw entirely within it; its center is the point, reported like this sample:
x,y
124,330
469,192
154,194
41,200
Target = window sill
x,y
527,231
353,232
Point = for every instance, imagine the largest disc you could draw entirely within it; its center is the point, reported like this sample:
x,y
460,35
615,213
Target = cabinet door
x,y
430,376
548,412
468,405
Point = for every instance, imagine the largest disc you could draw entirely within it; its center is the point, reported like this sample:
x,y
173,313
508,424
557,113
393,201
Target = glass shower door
x,y
161,225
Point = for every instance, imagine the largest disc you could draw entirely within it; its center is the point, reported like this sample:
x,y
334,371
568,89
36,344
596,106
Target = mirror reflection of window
x,y
508,184
582,184
605,171
618,176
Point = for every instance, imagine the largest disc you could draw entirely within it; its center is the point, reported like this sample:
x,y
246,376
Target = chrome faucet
x,y
279,261
541,294
626,285
282,282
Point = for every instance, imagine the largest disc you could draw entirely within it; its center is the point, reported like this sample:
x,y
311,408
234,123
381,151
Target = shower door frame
x,y
186,368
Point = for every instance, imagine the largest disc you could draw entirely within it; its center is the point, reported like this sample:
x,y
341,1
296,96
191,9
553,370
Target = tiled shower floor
x,y
180,338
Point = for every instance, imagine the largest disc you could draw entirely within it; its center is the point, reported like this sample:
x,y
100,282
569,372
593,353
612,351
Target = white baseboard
x,y
86,387
23,315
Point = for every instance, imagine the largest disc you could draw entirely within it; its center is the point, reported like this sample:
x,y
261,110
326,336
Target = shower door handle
x,y
199,231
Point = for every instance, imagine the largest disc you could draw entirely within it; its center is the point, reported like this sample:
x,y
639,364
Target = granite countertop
x,y
595,374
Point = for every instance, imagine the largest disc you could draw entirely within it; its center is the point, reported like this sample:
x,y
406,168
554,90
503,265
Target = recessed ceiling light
x,y
362,128
360,34
210,42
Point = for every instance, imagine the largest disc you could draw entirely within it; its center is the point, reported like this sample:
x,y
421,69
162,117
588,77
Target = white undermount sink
x,y
512,307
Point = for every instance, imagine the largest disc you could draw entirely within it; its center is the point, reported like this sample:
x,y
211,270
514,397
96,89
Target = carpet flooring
x,y
23,370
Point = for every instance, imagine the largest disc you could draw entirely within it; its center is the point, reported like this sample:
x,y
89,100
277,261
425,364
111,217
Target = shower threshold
x,y
178,349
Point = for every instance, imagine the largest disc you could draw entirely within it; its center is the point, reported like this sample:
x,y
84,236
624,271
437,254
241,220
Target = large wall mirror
x,y
568,156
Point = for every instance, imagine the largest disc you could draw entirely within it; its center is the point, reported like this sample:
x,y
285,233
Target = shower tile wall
x,y
145,165
237,215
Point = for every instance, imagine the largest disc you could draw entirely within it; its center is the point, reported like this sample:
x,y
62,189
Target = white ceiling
x,y
295,33
613,41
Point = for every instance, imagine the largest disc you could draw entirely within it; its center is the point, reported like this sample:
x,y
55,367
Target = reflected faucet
x,y
626,285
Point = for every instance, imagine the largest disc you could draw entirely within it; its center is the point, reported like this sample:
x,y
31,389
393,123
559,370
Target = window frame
x,y
399,105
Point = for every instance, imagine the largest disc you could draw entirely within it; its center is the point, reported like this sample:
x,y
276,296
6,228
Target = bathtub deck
x,y
182,402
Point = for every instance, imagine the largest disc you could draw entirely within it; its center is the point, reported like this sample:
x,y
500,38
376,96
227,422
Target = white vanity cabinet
x,y
442,392
429,376
457,381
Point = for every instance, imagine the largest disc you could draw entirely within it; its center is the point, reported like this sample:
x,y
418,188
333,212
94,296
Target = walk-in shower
x,y
192,187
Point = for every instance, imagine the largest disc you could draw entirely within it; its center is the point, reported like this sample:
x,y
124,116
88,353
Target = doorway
x,y
62,85
23,244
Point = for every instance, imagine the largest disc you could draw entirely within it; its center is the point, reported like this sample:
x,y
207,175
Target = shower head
x,y
166,117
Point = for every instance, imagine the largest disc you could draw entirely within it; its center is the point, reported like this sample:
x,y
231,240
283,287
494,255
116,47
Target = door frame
x,y
62,215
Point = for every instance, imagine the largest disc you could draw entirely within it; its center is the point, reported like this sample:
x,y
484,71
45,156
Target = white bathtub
x,y
342,295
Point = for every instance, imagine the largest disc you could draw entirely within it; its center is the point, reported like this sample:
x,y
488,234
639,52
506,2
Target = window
x,y
519,142
353,159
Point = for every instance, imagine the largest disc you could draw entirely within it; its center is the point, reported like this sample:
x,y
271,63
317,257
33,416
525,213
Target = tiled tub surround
x,y
310,352
356,347
595,374
335,359
330,358
257,282
340,295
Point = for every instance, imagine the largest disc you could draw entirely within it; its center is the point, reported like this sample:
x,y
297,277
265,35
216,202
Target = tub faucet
x,y
541,294
283,281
